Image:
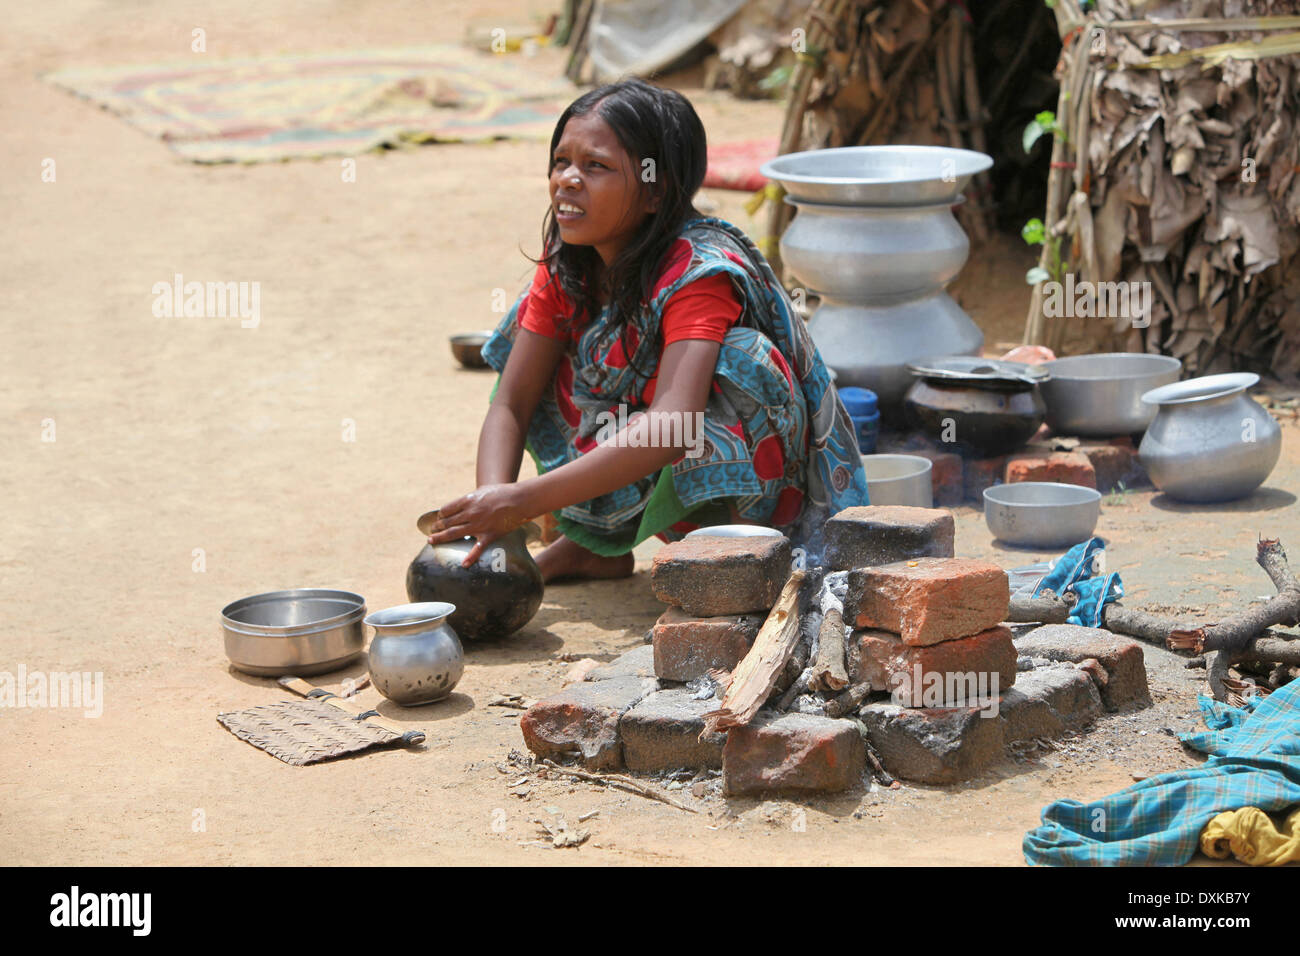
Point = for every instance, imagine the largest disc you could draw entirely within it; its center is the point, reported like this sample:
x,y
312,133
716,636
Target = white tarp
x,y
638,37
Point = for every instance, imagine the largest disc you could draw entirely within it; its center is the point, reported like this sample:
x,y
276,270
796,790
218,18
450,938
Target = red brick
x,y
981,473
793,752
1067,467
1113,462
687,647
710,576
870,535
928,600
584,718
928,676
945,476
1123,659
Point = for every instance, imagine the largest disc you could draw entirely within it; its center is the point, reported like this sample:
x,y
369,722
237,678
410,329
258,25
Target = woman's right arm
x,y
529,371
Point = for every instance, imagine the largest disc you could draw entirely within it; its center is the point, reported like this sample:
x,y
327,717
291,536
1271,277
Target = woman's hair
x,y
650,123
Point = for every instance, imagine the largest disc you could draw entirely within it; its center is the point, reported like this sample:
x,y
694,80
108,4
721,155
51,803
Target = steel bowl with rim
x,y
1100,395
876,175
1041,514
301,631
468,348
899,480
735,531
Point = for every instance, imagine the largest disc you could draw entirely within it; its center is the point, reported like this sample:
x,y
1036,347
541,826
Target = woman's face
x,y
596,192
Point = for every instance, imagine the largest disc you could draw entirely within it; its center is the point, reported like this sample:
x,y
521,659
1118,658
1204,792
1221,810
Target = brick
x,y
880,534
960,671
934,745
1113,462
1067,467
687,647
662,732
638,662
1126,674
1046,702
945,476
584,717
793,752
981,473
928,600
711,576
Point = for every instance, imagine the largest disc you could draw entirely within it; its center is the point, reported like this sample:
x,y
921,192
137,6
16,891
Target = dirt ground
x,y
195,462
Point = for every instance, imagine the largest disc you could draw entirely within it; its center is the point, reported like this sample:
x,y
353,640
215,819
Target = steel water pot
x,y
415,657
494,597
1209,440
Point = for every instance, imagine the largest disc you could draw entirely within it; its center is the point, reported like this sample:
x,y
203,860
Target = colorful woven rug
x,y
735,165
274,108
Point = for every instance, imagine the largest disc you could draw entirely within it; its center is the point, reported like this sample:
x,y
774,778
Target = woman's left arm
x,y
685,379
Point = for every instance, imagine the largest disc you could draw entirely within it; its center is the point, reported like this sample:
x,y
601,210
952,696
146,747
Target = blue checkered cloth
x,y
1254,762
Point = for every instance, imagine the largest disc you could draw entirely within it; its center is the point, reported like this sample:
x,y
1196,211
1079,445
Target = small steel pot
x,y
976,406
415,657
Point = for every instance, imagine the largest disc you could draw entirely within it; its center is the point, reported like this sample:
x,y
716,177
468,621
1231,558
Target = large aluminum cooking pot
x,y
1100,396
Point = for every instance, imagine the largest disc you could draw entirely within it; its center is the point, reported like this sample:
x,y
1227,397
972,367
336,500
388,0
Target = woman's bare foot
x,y
564,558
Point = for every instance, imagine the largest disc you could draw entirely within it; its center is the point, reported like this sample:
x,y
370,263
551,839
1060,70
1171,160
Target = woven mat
x,y
735,165
267,109
301,732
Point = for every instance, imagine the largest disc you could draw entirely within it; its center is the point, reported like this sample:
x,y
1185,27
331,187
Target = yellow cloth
x,y
1252,837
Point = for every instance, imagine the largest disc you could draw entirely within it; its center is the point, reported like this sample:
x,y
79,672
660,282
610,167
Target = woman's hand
x,y
485,514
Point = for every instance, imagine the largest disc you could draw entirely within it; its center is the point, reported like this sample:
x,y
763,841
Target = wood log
x,y
828,671
755,676
849,700
1234,636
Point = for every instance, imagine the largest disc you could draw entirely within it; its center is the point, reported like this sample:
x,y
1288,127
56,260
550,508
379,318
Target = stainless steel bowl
x,y
735,531
876,175
899,480
1041,514
302,631
1100,396
468,348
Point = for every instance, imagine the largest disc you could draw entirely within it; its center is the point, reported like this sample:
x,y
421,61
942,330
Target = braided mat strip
x,y
302,732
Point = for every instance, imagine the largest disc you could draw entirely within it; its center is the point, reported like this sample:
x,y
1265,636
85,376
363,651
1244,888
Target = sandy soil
x,y
196,462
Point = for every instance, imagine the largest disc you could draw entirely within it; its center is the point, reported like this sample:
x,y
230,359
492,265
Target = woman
x,y
655,369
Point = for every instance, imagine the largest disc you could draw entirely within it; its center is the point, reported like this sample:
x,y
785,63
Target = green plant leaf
x,y
1033,232
1032,132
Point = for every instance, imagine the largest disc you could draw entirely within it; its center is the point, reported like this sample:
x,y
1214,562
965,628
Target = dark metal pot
x,y
494,597
976,406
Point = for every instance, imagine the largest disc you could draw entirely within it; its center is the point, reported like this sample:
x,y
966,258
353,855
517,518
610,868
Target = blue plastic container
x,y
861,405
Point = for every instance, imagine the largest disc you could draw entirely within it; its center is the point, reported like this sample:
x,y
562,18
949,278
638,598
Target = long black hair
x,y
650,123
